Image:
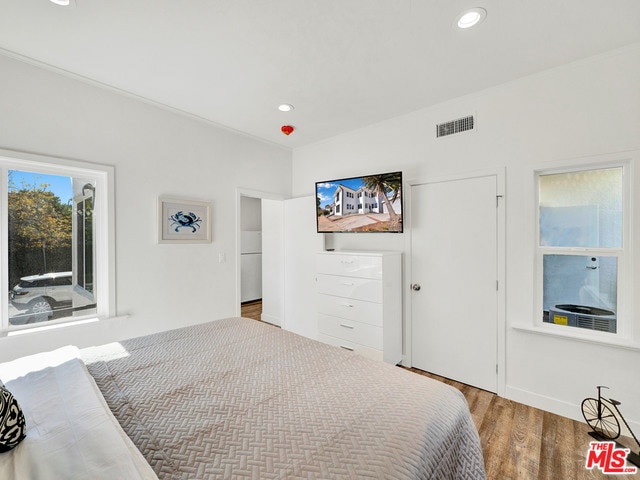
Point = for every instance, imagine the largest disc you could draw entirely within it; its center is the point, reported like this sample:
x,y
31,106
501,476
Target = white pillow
x,y
71,433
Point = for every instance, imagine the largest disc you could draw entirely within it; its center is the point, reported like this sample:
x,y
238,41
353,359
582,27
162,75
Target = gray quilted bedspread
x,y
236,398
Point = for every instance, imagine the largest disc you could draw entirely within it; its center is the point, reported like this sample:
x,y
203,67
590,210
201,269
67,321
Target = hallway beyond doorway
x,y
252,309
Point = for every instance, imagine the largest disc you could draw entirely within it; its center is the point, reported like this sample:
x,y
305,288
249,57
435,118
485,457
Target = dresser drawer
x,y
350,309
361,266
369,352
361,333
351,287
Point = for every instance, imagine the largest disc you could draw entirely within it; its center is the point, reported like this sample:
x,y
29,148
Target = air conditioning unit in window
x,y
581,316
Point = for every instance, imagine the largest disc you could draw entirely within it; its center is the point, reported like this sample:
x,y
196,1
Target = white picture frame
x,y
182,220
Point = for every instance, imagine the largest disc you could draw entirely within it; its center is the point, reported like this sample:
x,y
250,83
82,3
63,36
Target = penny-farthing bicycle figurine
x,y
602,416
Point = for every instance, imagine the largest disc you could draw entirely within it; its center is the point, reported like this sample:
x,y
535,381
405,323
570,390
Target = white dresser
x,y
360,302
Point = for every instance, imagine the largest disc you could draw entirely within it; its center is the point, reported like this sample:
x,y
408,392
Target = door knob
x,y
415,287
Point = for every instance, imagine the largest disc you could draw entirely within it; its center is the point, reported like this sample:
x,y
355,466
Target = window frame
x,y
104,231
624,317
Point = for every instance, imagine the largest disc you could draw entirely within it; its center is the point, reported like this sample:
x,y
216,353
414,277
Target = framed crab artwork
x,y
183,221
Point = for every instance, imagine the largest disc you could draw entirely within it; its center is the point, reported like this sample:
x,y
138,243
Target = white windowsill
x,y
44,328
614,342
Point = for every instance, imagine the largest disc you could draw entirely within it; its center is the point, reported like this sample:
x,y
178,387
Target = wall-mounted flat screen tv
x,y
371,203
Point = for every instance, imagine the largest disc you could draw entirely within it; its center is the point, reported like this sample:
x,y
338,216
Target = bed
x,y
236,398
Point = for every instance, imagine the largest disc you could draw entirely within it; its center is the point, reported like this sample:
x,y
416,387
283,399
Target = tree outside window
x,y
50,270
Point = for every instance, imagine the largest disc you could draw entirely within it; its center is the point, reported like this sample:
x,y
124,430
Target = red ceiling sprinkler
x,y
287,129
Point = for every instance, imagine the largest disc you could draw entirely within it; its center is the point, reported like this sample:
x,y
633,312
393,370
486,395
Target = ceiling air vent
x,y
455,126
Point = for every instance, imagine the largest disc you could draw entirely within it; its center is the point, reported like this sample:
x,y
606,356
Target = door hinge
x,y
498,197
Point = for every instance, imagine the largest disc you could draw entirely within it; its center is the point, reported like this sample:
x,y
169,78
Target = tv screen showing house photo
x,y
371,203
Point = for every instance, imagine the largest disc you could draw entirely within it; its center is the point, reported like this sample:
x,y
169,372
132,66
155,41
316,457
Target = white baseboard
x,y
554,405
548,404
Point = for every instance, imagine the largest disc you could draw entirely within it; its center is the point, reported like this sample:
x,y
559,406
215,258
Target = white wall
x,y
154,152
585,109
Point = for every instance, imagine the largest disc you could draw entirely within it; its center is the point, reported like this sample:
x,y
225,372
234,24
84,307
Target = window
x,y
56,245
581,247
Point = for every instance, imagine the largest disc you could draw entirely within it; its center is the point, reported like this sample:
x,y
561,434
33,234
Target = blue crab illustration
x,y
185,220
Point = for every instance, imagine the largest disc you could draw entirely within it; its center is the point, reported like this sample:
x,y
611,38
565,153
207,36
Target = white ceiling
x,y
342,64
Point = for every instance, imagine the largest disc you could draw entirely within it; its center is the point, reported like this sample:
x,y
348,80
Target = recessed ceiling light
x,y
285,107
471,17
64,3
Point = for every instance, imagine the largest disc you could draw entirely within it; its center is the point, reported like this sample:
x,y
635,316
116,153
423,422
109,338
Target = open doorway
x,y
259,255
251,257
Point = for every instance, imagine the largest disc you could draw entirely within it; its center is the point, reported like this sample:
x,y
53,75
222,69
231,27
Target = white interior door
x,y
272,283
301,243
454,314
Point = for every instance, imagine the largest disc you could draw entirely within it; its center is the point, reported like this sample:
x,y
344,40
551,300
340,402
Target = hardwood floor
x,y
252,309
523,443
518,442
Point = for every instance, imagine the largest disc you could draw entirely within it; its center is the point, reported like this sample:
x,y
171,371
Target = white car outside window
x,y
38,297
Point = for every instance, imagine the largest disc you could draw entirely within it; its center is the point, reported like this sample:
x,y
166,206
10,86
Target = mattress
x,y
236,398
